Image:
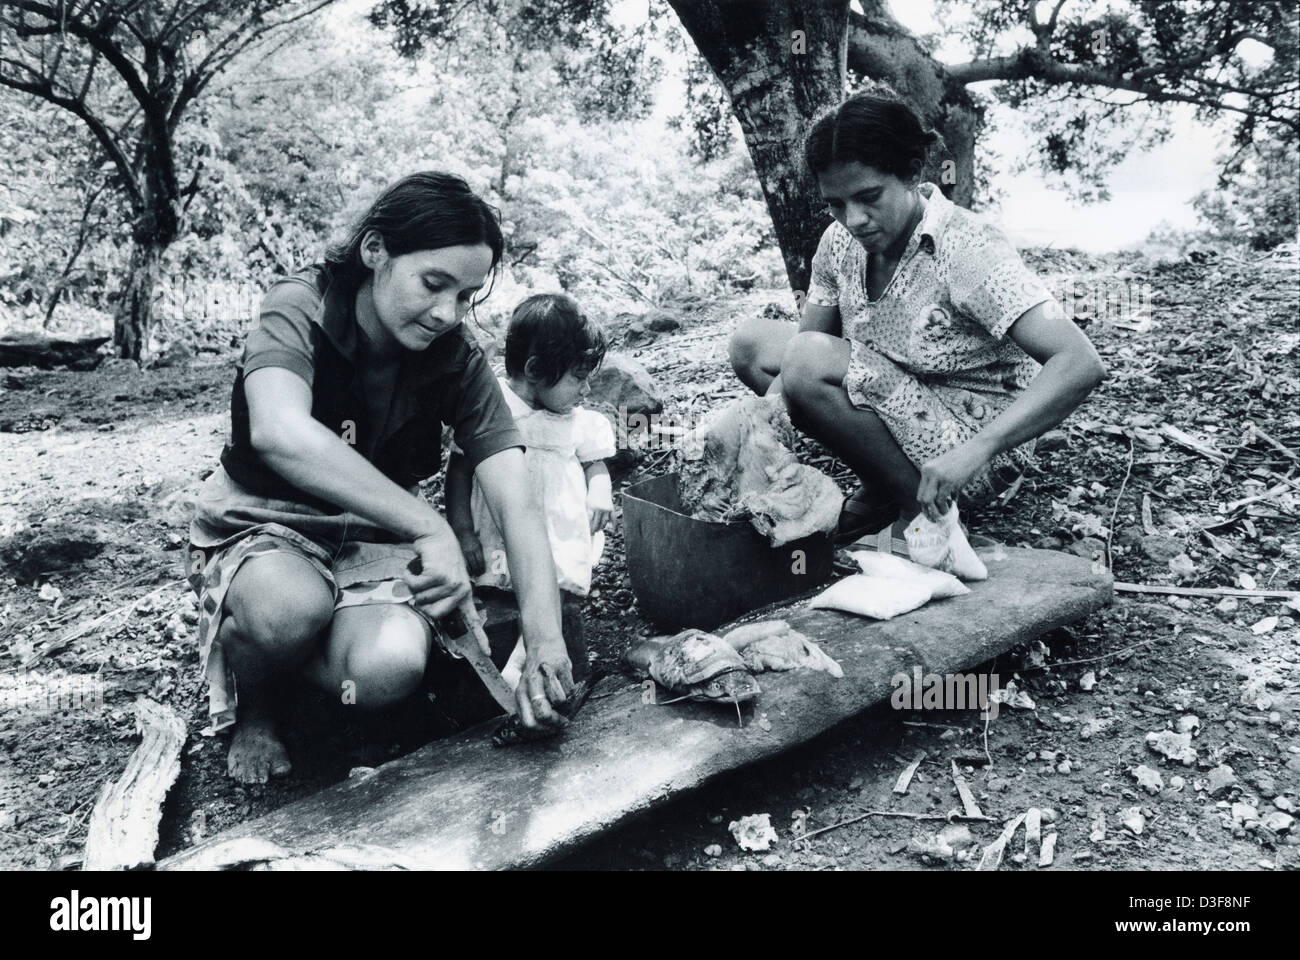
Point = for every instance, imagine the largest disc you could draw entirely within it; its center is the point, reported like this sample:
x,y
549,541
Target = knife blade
x,y
463,637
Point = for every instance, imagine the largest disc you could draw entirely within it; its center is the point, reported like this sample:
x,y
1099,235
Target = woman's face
x,y
421,295
877,208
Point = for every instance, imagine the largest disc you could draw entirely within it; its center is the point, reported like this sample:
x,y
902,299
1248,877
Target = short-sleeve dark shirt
x,y
308,325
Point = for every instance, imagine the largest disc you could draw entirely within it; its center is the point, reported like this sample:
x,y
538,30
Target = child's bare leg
x,y
276,607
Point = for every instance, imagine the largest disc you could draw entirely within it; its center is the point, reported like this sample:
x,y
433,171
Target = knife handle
x,y
453,623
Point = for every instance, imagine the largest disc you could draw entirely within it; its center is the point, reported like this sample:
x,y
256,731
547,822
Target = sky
x,y
1150,186
1153,186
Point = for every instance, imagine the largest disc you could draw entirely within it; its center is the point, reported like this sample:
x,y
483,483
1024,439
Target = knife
x,y
464,638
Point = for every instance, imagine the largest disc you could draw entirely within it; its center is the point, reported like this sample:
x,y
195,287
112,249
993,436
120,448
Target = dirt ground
x,y
97,466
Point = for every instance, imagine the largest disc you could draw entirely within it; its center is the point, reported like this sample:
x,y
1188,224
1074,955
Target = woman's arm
x,y
547,677
309,455
1071,368
821,318
600,496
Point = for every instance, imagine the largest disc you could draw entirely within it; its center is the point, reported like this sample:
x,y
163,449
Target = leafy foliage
x,y
291,150
1256,202
1097,83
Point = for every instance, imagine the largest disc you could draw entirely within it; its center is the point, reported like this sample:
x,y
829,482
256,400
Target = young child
x,y
551,351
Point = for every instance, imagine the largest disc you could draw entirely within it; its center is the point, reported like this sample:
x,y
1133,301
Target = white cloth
x,y
558,444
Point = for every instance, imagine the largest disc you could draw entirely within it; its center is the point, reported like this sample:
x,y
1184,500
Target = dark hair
x,y
552,330
875,128
423,211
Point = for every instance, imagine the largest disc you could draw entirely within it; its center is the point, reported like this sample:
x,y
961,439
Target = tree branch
x,y
215,61
1029,64
101,40
45,90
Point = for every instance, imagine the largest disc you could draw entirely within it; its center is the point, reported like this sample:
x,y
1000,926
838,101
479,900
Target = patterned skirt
x,y
928,419
231,524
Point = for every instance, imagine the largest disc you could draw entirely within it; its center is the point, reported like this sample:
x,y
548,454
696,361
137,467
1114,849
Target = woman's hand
x,y
547,679
944,476
442,582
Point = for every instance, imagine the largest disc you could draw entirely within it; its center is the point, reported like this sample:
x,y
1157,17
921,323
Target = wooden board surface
x,y
459,803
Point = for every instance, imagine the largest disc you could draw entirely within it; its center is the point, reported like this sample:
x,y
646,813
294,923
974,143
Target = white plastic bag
x,y
941,584
943,546
877,597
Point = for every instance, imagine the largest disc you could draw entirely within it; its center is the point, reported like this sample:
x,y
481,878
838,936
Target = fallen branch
x,y
124,824
1201,591
1006,495
1274,443
81,629
903,814
1269,494
1110,529
992,858
1103,656
1185,439
79,353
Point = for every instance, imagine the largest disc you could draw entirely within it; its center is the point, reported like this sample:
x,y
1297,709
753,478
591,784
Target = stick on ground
x,y
992,858
967,798
905,778
1201,591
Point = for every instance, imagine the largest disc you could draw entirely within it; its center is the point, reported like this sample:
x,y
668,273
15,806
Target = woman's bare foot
x,y
256,751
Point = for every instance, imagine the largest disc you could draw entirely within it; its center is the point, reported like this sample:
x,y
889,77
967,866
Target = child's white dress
x,y
558,444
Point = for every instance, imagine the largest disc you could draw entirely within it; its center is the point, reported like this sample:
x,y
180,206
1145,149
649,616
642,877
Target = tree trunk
x,y
134,319
157,225
781,62
881,48
777,92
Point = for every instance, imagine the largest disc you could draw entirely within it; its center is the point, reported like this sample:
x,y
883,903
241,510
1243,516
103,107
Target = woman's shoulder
x,y
300,297
307,285
836,247
965,233
835,238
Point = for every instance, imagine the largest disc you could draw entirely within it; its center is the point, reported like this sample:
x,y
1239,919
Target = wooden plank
x,y
460,804
124,823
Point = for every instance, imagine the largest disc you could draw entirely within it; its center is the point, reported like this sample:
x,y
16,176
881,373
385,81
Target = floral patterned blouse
x,y
931,356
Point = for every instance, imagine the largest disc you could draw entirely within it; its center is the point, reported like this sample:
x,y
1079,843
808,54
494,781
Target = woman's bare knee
x,y
743,348
383,651
812,362
755,350
280,605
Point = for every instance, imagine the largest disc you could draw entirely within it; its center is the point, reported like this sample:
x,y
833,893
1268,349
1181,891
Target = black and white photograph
x,y
651,436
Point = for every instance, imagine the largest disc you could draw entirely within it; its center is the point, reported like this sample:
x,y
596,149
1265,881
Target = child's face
x,y
565,394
